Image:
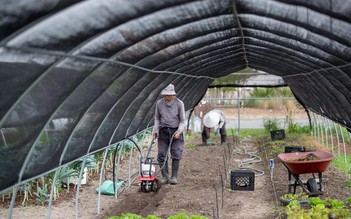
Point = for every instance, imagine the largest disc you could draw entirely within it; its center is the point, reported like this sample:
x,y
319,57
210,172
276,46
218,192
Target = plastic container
x,y
145,168
242,180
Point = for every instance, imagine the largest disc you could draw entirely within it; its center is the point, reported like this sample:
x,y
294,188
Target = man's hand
x,y
217,131
176,135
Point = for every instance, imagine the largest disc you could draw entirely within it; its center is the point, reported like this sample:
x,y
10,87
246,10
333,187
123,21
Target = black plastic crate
x,y
290,149
242,180
278,134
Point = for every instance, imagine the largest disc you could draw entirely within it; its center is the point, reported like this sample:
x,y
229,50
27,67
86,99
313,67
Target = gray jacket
x,y
170,115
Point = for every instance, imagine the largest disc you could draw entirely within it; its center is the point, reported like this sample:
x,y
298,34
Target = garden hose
x,y
114,160
253,158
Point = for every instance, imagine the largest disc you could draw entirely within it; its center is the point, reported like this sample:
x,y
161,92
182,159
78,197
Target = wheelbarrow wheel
x,y
312,185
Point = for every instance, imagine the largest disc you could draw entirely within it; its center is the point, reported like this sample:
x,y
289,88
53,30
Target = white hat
x,y
211,119
169,90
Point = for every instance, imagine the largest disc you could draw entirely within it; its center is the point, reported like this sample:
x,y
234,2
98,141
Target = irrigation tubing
x,y
253,158
114,161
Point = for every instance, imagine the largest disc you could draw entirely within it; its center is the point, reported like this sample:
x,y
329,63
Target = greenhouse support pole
x,y
130,166
3,137
79,183
343,143
337,138
118,162
52,192
317,127
314,125
321,128
326,131
100,179
238,110
316,133
13,199
331,136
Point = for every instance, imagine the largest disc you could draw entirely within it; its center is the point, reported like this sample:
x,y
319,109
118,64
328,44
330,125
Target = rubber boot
x,y
205,134
223,139
175,168
204,139
164,173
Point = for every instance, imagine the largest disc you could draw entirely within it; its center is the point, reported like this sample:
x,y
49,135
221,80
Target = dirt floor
x,y
204,187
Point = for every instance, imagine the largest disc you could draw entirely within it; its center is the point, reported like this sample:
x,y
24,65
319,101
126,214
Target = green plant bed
x,y
178,216
249,132
287,198
339,162
317,208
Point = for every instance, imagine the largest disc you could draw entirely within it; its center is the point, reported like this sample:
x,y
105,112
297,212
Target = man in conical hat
x,y
168,129
214,119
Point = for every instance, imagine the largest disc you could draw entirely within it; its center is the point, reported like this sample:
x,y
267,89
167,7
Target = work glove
x,y
217,131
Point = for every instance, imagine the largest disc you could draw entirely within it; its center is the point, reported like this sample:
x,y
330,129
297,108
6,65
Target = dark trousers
x,y
164,139
207,131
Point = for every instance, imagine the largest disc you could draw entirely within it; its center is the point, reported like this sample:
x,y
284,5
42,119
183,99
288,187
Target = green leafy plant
x,y
314,201
328,208
271,124
298,197
249,132
134,216
26,189
63,174
191,146
293,127
178,216
90,162
42,194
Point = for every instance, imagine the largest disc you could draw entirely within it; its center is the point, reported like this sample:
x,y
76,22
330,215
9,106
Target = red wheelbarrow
x,y
306,162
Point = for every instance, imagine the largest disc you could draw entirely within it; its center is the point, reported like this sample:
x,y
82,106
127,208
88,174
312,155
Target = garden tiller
x,y
147,177
149,169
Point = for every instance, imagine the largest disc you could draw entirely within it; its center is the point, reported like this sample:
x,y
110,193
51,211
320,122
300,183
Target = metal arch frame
x,y
343,143
80,173
331,135
180,94
100,179
337,137
247,62
117,125
167,71
32,148
114,131
236,15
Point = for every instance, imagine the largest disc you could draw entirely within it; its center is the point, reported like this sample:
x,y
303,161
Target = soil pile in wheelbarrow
x,y
308,157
